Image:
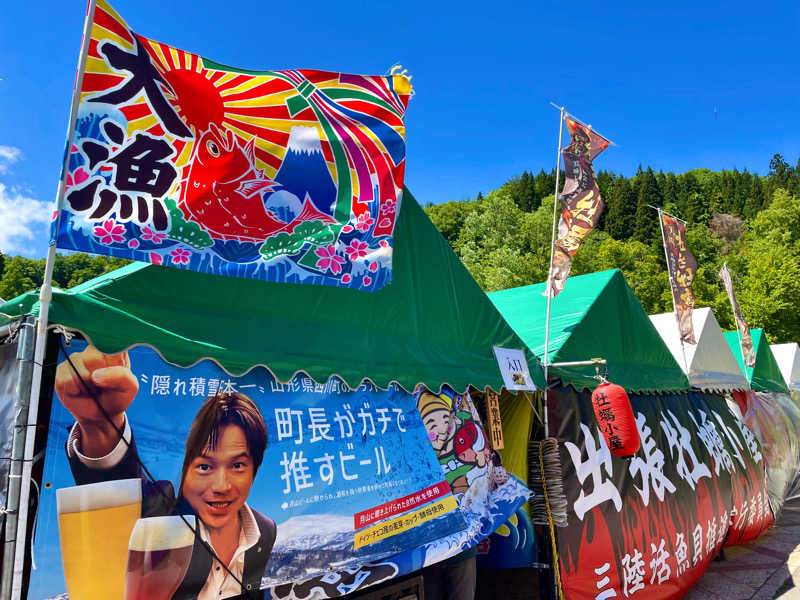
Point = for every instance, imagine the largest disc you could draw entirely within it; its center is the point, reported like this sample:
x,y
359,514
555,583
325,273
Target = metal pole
x,y
671,289
21,400
45,296
580,363
550,271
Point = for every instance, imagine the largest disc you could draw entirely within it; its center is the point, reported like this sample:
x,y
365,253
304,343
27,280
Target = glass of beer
x,y
159,552
95,523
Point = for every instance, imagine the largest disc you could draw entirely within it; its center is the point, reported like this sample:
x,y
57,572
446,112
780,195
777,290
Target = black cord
x,y
146,471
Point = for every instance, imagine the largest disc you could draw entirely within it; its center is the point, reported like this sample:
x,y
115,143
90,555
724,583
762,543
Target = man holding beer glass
x,y
224,450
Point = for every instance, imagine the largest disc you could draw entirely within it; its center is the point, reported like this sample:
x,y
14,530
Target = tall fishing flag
x,y
581,202
682,268
291,176
745,339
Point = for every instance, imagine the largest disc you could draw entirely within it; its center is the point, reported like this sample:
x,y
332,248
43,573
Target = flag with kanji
x,y
682,268
290,176
745,339
581,202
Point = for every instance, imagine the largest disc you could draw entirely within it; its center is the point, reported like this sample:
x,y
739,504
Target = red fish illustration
x,y
223,191
470,445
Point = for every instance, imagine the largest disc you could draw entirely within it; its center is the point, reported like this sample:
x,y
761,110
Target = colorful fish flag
x,y
289,176
745,339
682,268
581,202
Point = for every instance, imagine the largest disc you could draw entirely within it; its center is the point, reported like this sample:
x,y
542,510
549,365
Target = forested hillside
x,y
19,274
749,221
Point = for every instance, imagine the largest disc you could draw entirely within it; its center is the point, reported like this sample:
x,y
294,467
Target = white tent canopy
x,y
709,364
788,358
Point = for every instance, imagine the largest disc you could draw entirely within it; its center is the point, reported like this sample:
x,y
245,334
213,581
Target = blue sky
x,y
648,75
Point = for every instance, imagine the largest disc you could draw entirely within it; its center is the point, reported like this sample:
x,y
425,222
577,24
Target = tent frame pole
x,y
672,289
556,203
45,295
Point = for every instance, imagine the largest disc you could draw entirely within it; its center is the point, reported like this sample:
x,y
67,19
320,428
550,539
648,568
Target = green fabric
x,y
766,375
595,316
432,325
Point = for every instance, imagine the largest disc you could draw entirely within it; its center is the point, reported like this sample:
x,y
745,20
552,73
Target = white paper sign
x,y
514,369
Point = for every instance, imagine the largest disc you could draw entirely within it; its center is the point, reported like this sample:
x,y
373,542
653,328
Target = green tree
x,y
621,209
20,275
638,262
646,227
449,217
26,274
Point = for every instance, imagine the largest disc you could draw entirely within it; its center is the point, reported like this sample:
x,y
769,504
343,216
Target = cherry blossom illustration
x,y
357,249
152,236
110,232
328,259
180,256
364,222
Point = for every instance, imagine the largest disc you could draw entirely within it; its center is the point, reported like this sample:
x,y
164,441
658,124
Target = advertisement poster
x,y
348,493
648,527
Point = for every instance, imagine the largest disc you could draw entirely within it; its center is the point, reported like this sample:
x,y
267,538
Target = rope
x,y
556,570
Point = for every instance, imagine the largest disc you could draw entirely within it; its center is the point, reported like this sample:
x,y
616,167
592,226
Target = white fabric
x,y
709,364
219,583
788,358
112,459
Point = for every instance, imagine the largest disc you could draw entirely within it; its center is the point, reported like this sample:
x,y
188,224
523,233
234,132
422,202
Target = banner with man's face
x,y
349,491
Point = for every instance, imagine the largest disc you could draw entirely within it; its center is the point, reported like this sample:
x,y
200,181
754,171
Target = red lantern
x,y
615,417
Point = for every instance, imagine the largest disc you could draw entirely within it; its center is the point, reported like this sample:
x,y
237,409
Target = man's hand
x,y
110,380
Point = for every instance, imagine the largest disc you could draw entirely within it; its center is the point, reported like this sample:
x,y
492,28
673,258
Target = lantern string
x,y
601,377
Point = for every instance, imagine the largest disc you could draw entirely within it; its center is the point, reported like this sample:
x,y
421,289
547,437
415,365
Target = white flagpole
x,y
45,295
672,289
556,204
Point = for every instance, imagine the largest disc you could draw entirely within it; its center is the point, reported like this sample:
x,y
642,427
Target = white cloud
x,y
8,155
22,220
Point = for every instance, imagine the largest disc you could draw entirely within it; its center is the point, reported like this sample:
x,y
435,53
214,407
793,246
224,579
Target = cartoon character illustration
x,y
459,440
471,446
223,191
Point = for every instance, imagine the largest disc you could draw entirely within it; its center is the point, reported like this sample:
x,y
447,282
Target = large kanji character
x,y
632,573
141,167
144,78
598,459
652,467
680,445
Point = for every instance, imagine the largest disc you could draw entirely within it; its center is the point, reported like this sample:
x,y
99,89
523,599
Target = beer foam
x,y
96,496
162,533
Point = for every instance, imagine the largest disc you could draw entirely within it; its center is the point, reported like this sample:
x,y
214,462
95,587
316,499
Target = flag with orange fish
x,y
289,176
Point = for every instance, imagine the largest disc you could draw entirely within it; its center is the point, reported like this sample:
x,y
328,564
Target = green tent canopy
x,y
596,316
765,376
431,325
